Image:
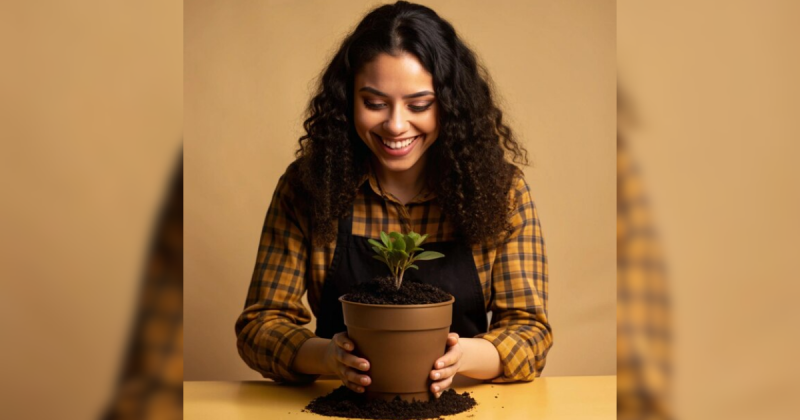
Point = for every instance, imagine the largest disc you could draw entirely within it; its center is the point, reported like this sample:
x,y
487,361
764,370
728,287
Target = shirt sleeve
x,y
520,330
269,331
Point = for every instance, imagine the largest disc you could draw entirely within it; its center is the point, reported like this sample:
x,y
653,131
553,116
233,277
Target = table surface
x,y
569,397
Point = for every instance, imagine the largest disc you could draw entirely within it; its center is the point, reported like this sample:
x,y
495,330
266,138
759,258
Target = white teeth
x,y
398,144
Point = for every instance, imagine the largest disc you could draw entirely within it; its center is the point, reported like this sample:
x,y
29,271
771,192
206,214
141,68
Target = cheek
x,y
364,121
430,121
429,124
360,123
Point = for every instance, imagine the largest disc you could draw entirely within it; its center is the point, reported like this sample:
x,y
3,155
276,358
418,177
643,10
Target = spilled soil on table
x,y
343,402
382,291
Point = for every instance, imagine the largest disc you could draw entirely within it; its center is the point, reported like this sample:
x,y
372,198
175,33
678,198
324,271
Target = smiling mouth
x,y
396,145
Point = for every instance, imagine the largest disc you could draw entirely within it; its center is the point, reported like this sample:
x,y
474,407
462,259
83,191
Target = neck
x,y
403,185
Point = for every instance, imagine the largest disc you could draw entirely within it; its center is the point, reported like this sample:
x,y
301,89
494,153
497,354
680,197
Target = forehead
x,y
395,75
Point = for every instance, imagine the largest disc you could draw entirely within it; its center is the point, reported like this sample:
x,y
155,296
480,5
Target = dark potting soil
x,y
381,291
343,402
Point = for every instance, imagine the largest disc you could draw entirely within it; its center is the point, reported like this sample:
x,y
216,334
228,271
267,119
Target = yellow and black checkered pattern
x,y
151,382
643,327
513,275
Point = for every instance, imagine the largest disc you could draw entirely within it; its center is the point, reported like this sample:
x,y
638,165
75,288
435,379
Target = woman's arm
x,y
520,330
311,357
269,331
480,360
515,347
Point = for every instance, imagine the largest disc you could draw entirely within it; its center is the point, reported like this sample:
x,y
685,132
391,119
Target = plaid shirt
x,y
513,276
151,382
643,328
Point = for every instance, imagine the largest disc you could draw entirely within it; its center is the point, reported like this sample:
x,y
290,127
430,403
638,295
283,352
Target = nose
x,y
397,123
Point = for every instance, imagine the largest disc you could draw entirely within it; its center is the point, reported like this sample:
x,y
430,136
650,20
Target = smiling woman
x,y
403,134
398,126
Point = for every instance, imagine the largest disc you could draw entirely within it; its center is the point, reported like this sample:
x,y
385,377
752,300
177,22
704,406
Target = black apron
x,y
353,264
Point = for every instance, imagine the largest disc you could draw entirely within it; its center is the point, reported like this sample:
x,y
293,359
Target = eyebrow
x,y
379,93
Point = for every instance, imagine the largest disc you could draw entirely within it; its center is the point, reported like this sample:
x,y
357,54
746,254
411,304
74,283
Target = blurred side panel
x,y
643,309
151,382
714,89
90,127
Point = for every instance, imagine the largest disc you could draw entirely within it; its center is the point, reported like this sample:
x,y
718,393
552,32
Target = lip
x,y
398,152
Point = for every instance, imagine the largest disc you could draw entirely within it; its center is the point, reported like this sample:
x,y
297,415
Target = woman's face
x,y
396,113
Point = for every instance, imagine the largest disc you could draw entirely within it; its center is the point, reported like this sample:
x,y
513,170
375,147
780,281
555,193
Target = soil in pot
x,y
382,291
343,402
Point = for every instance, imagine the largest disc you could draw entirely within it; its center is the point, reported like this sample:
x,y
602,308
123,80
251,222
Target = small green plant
x,y
398,252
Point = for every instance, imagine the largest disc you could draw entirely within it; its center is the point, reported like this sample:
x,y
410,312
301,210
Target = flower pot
x,y
401,343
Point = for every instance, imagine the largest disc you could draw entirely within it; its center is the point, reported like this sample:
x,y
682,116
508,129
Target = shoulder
x,y
519,193
289,193
290,184
522,210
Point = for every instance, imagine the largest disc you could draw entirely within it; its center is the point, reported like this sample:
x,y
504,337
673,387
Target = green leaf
x,y
428,255
398,243
385,240
403,253
413,266
376,244
379,258
421,239
377,250
409,244
417,249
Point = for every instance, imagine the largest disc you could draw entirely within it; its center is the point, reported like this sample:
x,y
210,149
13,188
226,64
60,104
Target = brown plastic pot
x,y
401,343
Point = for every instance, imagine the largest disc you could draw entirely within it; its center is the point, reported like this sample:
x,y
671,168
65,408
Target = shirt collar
x,y
426,194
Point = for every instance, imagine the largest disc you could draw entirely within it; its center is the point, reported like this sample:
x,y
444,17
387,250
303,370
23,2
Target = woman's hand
x,y
446,367
346,365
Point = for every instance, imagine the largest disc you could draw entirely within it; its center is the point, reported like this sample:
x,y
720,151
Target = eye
x,y
373,105
420,108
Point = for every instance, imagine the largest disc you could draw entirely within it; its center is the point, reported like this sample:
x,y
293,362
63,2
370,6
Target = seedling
x,y
398,251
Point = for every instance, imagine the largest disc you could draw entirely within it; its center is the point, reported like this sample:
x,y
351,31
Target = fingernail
x,y
440,365
364,381
436,376
360,389
436,388
363,366
438,394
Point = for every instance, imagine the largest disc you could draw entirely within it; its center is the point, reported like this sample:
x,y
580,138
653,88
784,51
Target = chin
x,y
398,166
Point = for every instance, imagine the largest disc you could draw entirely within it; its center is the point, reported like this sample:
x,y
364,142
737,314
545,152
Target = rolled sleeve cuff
x,y
516,356
282,343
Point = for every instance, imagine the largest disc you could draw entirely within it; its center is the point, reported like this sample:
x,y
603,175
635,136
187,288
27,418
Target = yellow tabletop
x,y
572,397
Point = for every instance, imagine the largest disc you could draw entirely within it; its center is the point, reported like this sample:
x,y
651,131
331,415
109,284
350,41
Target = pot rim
x,y
422,305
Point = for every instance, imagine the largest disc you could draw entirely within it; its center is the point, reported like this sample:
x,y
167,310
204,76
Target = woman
x,y
402,135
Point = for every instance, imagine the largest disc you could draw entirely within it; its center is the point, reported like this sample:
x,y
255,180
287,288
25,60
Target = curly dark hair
x,y
472,176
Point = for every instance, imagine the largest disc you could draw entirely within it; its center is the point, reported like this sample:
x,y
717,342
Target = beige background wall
x,y
249,68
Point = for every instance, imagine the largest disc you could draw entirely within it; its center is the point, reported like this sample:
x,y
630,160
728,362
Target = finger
x,y
448,359
352,361
345,374
447,372
440,386
354,387
342,341
357,378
